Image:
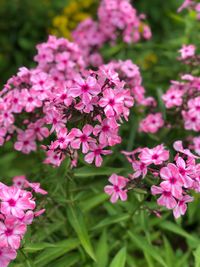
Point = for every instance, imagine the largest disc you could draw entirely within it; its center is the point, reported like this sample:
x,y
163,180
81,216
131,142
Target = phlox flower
x,y
117,189
178,146
196,142
112,102
6,255
25,142
185,172
173,98
85,89
156,155
95,153
172,182
30,100
15,202
108,132
152,123
38,130
82,138
166,199
181,207
63,139
140,169
187,51
11,233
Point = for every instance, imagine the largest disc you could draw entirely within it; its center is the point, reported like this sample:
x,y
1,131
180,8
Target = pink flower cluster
x,y
17,206
185,97
130,73
190,4
174,180
152,123
59,58
115,18
34,104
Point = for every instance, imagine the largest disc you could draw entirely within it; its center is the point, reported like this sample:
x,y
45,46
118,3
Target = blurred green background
x,y
80,224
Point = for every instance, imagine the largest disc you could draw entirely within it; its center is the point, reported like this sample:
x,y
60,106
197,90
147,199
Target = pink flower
x,y
82,138
196,141
14,201
112,102
187,51
25,143
53,157
185,172
172,179
108,132
86,89
63,139
11,233
140,169
178,146
38,130
6,255
173,98
166,199
186,4
116,190
156,155
181,207
31,101
152,123
95,154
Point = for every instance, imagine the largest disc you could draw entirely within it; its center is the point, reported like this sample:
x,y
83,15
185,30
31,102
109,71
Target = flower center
x,y
105,128
26,142
155,156
111,102
8,232
167,194
85,88
30,99
116,188
97,152
83,138
182,171
12,202
172,180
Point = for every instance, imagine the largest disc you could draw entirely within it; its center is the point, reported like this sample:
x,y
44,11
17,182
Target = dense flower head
x,y
130,73
60,58
185,97
115,19
173,180
17,210
152,123
35,106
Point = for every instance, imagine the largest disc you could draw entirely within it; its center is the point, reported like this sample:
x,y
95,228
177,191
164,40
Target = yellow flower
x,y
75,12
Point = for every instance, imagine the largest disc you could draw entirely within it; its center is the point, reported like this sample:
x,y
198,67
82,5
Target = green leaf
x,y
147,248
77,222
111,220
120,259
92,202
197,256
32,248
102,251
169,254
50,254
93,171
66,261
174,228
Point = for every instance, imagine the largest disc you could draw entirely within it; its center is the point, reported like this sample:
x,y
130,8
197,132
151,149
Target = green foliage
x,y
81,228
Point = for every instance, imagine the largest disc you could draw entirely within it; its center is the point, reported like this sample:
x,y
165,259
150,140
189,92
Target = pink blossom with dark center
x,y
117,189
